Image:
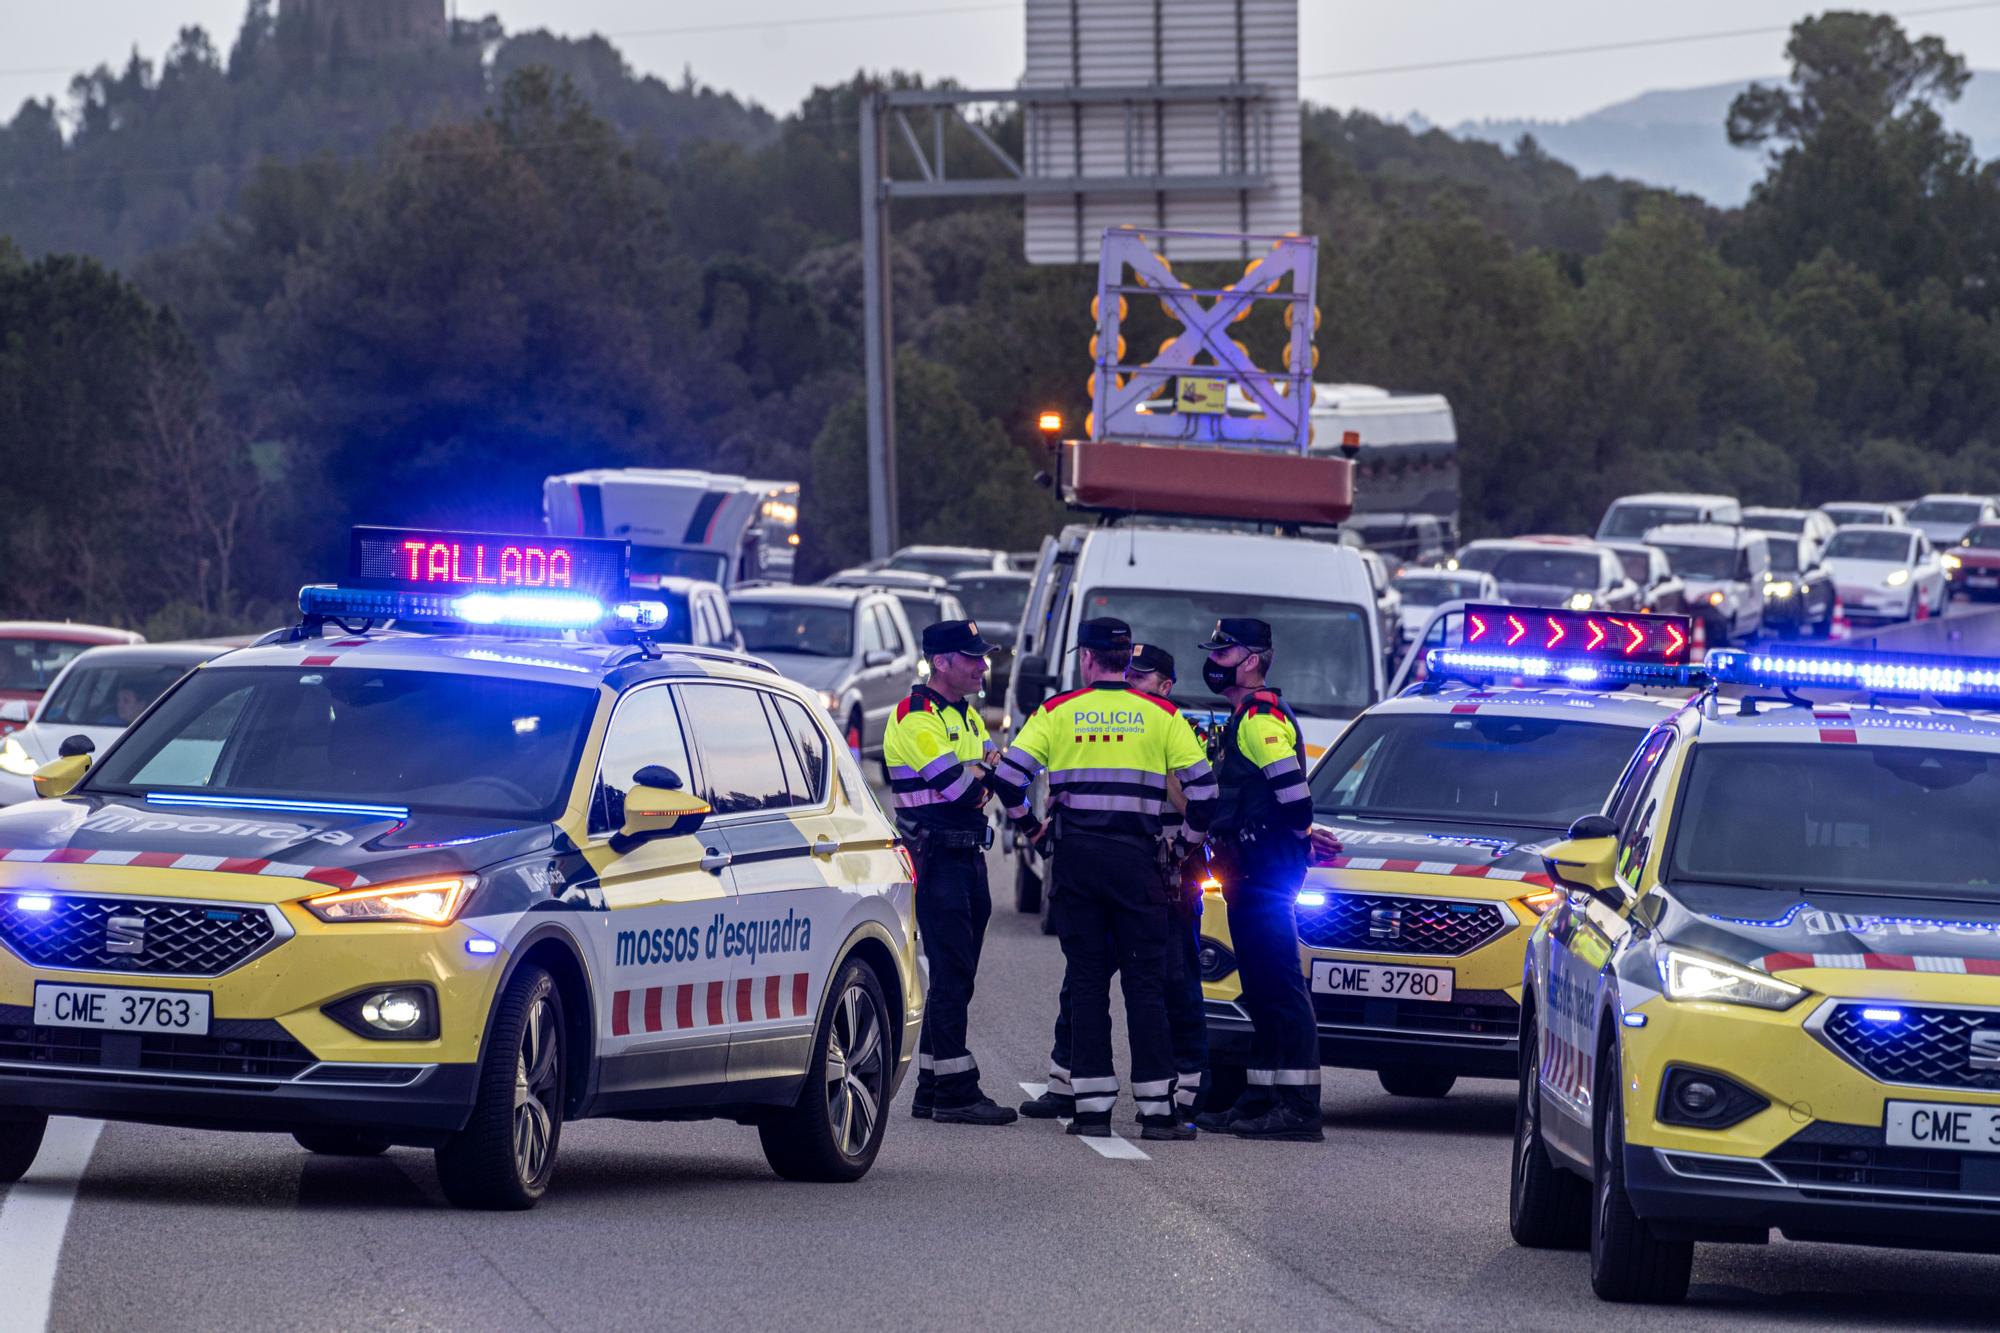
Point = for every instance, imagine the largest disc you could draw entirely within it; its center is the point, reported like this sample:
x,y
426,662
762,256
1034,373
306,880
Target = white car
x,y
1863,514
1424,590
1947,518
1886,573
1723,570
1633,516
95,698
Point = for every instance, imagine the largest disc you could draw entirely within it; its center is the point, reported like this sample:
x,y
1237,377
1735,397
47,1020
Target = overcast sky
x,y
797,43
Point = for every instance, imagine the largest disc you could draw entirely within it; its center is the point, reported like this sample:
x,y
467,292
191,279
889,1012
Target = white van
x,y
1171,584
1631,517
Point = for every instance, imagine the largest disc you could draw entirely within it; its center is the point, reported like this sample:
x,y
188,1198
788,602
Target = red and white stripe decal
x,y
326,658
1836,726
1882,962
1453,869
709,1004
228,865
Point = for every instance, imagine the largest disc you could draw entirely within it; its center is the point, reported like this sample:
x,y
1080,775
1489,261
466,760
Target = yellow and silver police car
x,y
1769,998
1442,798
456,887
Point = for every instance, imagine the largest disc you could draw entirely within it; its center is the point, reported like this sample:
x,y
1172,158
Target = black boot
x,y
1227,1116
984,1111
1286,1124
1049,1106
1094,1128
1165,1129
922,1102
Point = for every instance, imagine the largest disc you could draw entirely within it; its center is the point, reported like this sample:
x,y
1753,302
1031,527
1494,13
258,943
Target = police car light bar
x,y
1584,648
1970,680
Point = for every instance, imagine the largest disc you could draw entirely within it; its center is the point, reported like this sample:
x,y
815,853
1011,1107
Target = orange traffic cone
x,y
1838,628
1698,645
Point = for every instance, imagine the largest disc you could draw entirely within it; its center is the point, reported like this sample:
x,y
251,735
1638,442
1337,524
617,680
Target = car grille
x,y
1383,923
176,939
1830,1160
233,1049
1928,1047
1489,1015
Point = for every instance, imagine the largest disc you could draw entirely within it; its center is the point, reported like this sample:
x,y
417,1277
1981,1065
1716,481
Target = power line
x,y
1598,48
696,30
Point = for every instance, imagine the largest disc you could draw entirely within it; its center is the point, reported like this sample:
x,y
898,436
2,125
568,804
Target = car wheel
x,y
1548,1208
835,1129
20,1139
1415,1082
506,1153
340,1142
854,734
1027,885
1627,1261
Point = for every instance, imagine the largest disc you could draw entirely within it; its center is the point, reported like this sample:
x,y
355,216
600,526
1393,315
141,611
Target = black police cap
x,y
1151,657
1106,634
1239,632
955,636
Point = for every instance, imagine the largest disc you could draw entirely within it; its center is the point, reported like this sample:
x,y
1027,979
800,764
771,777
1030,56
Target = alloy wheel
x,y
536,1078
857,1069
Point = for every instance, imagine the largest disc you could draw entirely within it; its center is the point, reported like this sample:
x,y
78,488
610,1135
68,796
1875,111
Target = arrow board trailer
x,y
681,522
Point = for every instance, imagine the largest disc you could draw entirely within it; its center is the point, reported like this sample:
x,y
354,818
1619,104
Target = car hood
x,y
1703,587
821,673
1775,931
1942,534
1487,860
273,853
43,740
1847,569
1540,594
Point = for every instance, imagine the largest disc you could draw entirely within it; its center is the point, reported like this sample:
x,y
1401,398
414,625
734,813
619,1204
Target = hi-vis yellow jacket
x,y
929,743
1108,750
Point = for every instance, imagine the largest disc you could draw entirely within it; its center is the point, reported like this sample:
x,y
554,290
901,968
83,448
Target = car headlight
x,y
1718,597
1580,601
15,759
1695,976
1540,903
434,902
1897,578
1779,590
1952,561
828,701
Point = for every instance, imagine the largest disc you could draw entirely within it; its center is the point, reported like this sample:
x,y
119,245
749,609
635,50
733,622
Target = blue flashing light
x,y
543,610
1472,664
178,800
1634,1020
1973,680
479,944
1312,898
34,902
1874,1015
641,615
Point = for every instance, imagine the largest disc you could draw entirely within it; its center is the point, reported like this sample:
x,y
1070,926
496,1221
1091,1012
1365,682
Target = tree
x,y
1858,67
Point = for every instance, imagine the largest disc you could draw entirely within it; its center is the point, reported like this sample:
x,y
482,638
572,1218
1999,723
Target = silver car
x,y
853,645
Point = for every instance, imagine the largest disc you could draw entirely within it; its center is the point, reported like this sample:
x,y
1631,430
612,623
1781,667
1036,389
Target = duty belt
x,y
926,839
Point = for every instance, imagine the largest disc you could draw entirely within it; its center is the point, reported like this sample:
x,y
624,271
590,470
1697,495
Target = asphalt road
x,y
1398,1220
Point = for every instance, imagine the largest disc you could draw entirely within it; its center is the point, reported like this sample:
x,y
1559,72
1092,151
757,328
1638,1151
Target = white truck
x,y
1405,452
713,526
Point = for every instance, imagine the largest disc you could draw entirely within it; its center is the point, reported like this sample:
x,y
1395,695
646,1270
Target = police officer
x,y
935,747
1152,672
1108,752
1260,839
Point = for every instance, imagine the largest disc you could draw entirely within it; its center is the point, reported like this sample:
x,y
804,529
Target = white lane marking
x,y
34,1218
1118,1149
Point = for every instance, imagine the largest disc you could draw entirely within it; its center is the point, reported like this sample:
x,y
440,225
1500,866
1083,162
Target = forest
x,y
249,297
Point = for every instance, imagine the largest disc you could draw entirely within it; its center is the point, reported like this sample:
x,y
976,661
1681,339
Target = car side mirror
x,y
1031,682
15,710
59,776
658,812
1586,865
75,745
881,657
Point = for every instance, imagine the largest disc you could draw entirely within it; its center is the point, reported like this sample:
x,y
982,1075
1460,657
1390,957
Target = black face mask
x,y
1217,677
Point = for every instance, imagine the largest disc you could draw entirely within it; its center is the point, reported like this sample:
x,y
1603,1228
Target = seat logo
x,y
1985,1050
127,934
1385,923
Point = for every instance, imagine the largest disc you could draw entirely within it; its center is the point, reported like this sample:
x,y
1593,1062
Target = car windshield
x,y
1701,562
921,609
446,742
709,566
1849,515
1484,769
1854,544
795,627
1322,658
1556,568
1784,557
1638,566
1636,520
1945,511
1795,817
1986,536
938,562
1435,591
1480,559
31,664
111,694
1794,523
997,597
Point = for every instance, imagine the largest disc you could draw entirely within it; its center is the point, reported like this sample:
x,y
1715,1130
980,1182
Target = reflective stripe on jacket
x,y
1107,750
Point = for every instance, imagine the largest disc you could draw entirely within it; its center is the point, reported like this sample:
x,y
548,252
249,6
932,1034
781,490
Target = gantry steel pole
x,y
876,331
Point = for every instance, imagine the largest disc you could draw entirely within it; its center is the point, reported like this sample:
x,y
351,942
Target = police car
x,y
1769,996
1412,935
455,888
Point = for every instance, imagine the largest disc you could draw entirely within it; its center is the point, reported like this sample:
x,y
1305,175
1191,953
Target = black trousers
x,y
1187,1016
953,906
1263,926
1110,912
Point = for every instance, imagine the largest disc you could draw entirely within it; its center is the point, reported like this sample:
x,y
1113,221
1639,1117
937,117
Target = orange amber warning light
x,y
1049,423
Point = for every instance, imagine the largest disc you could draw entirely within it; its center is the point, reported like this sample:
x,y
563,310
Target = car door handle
x,y
713,861
824,846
